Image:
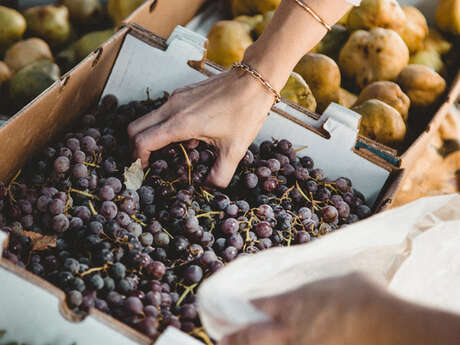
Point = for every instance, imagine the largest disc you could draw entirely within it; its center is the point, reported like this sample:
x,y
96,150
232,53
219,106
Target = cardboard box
x,y
204,20
34,311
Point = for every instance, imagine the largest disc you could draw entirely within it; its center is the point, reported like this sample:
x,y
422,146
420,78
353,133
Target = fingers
x,y
149,120
155,138
268,333
222,172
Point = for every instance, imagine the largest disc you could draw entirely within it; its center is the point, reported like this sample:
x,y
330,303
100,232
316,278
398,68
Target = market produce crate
x,y
126,65
417,142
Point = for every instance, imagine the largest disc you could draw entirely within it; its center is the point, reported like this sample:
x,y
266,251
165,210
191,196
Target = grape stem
x,y
137,220
91,165
89,195
94,269
200,333
187,290
189,165
13,182
146,173
91,207
300,149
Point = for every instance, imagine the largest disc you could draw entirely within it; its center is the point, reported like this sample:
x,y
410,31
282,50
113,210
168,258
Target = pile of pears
x,y
40,43
393,87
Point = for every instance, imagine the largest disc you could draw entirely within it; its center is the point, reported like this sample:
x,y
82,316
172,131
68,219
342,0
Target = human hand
x,y
226,111
329,312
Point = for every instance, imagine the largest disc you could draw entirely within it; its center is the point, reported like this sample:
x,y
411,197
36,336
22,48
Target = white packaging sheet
x,y
412,250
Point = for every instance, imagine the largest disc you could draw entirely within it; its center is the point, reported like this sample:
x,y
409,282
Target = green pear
x,y
84,11
32,80
49,22
12,27
89,42
25,52
120,9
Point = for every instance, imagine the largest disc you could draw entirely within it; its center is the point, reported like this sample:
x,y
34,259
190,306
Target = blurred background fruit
x,y
61,32
25,52
120,9
32,80
12,27
370,54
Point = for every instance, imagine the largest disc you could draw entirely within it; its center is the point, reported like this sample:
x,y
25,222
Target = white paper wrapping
x,y
413,250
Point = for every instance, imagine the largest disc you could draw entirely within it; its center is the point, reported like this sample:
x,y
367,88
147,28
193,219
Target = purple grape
x,y
133,305
193,274
263,172
363,211
307,162
330,214
88,144
236,241
114,183
230,226
61,164
251,180
302,237
343,209
109,209
302,174
265,211
60,223
229,254
263,230
106,193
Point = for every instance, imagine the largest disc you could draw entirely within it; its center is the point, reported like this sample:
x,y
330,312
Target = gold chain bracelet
x,y
313,14
258,76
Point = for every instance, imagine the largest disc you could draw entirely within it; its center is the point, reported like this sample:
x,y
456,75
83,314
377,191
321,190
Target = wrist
x,y
269,66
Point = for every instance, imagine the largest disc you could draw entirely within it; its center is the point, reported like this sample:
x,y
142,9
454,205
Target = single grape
x,y
270,184
161,239
88,144
71,265
263,229
236,241
60,223
251,180
74,298
302,174
115,183
229,254
265,211
95,282
230,226
363,211
330,214
133,305
118,271
221,201
193,274
156,269
307,162
61,164
263,172
109,209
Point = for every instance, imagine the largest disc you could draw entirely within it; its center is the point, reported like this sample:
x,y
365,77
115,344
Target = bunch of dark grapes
x,y
139,255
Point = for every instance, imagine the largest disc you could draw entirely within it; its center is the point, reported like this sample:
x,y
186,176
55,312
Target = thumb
x,y
224,167
267,333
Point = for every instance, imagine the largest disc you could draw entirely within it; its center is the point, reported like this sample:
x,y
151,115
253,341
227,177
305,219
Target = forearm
x,y
291,34
396,322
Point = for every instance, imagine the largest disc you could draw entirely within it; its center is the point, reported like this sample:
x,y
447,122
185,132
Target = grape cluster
x,y
139,255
